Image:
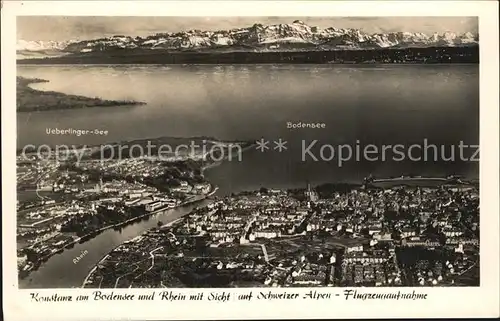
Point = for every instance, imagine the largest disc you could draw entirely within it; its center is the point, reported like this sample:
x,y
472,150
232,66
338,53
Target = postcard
x,y
226,160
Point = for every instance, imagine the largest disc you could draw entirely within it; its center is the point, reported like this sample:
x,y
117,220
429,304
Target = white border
x,y
444,302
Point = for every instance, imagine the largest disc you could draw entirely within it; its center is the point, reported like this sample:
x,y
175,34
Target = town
x,y
62,202
379,233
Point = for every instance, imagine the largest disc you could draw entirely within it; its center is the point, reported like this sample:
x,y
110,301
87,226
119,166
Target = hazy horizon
x,y
59,28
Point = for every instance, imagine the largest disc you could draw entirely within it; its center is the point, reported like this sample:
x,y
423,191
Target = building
x,y
452,232
268,233
419,242
408,232
382,237
154,206
132,202
354,248
310,194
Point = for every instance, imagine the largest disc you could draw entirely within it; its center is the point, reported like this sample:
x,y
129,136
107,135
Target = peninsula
x,y
29,99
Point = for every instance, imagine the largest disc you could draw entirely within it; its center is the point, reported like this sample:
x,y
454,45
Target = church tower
x,y
310,194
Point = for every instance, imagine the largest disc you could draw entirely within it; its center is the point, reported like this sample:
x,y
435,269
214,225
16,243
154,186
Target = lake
x,y
360,105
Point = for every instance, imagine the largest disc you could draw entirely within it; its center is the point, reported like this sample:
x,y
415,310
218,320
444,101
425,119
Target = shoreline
x,y
35,100
96,147
424,55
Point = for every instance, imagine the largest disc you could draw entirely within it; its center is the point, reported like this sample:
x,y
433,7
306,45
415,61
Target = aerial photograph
x,y
225,152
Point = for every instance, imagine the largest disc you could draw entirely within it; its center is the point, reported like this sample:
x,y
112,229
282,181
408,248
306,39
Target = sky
x,y
60,28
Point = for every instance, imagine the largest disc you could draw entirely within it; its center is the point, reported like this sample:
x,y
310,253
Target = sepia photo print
x,y
247,152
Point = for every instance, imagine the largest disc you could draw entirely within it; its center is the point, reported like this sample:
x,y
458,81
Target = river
x,y
60,271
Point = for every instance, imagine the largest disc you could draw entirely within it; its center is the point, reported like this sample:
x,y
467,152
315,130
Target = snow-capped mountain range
x,y
41,45
275,37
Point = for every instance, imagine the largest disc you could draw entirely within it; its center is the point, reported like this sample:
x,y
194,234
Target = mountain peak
x,y
282,37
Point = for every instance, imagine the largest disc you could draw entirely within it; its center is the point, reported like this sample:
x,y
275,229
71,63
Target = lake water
x,y
360,105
